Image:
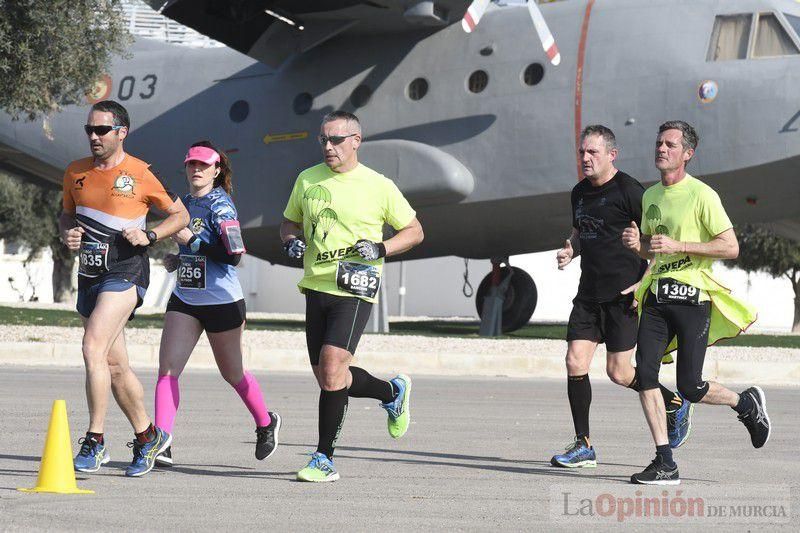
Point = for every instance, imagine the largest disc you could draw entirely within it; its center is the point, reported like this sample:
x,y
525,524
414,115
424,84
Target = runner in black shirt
x,y
603,205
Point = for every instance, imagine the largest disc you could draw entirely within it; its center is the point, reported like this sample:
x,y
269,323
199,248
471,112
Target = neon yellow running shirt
x,y
336,210
691,211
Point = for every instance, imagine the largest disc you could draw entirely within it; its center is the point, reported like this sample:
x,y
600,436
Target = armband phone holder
x,y
231,234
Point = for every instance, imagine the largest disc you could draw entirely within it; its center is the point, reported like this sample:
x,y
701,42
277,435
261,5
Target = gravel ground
x,y
381,343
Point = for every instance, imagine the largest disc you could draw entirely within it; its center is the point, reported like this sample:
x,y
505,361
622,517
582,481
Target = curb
x,y
145,356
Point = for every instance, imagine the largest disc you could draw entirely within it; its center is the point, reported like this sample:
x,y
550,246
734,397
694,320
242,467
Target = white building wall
x,y
21,283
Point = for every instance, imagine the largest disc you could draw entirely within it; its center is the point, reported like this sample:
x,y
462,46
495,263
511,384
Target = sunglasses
x,y
100,130
335,140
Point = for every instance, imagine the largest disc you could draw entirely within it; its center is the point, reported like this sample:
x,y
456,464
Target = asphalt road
x,y
475,458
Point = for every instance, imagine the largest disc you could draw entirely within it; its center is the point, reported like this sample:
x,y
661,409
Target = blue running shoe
x,y
144,455
679,423
399,409
578,455
91,456
319,469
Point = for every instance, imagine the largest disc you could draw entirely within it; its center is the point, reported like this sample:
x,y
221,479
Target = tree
x,y
51,54
53,51
761,250
28,215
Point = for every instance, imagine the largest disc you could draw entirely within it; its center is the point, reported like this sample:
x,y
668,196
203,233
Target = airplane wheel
x,y
520,301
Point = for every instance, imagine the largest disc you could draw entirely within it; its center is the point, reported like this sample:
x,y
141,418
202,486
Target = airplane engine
x,y
520,297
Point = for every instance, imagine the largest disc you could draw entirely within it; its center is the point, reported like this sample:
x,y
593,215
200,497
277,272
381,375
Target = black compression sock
x,y
366,385
665,452
332,411
579,391
744,405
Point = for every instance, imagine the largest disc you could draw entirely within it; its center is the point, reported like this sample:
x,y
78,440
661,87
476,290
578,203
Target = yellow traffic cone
x,y
57,471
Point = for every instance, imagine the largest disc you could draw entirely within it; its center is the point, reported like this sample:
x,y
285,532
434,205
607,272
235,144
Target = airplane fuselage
x,y
489,172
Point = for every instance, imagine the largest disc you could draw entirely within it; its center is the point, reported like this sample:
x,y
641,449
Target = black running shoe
x,y
165,459
756,420
657,473
267,437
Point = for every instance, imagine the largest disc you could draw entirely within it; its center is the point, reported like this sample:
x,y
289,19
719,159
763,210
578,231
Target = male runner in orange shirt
x,y
106,200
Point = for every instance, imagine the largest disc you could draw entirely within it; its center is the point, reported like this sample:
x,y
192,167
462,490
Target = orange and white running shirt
x,y
105,202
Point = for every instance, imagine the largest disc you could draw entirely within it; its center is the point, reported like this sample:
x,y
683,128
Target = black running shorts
x,y
335,320
613,323
213,318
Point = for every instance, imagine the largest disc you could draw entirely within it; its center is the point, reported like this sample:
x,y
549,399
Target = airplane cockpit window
x,y
303,103
533,74
772,39
239,111
417,89
729,38
478,81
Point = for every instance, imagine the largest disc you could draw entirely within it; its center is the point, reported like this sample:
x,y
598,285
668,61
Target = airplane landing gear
x,y
515,289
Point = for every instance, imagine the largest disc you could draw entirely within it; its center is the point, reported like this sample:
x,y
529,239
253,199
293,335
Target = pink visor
x,y
203,154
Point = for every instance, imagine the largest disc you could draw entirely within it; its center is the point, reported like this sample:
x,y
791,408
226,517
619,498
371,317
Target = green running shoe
x,y
399,409
320,469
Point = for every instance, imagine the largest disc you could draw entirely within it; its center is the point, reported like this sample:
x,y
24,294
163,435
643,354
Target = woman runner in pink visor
x,y
208,297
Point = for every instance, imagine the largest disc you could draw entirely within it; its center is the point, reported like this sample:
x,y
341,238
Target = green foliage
x,y
764,251
52,51
28,214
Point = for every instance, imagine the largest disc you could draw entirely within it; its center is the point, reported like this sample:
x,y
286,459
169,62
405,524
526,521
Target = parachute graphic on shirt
x,y
315,199
326,221
653,215
661,230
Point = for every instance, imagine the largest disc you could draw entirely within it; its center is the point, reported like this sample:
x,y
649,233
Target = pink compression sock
x,y
168,396
251,395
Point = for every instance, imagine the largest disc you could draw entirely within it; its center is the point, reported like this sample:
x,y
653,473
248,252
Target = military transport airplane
x,y
478,129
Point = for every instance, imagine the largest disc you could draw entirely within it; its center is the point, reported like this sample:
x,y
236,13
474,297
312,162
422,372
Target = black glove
x,y
370,251
295,248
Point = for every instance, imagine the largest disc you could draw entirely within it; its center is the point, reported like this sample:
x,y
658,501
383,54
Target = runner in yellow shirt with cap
x,y
339,207
684,230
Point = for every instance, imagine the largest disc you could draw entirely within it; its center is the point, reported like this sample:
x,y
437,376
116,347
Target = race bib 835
x,y
93,258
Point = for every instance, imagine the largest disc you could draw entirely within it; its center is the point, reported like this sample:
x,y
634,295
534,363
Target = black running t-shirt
x,y
600,214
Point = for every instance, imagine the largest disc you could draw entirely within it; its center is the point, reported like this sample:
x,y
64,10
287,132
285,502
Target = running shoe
x,y
578,455
399,409
164,459
319,469
267,437
144,454
91,456
679,423
657,473
756,420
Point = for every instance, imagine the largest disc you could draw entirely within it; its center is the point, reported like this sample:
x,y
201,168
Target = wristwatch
x,y
151,236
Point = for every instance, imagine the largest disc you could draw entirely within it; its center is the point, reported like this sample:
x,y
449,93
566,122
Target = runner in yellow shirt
x,y
684,230
339,208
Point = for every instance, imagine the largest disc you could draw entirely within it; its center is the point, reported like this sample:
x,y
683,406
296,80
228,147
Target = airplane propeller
x,y
478,7
473,15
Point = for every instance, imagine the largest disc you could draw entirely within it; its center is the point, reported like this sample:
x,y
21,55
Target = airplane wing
x,y
270,30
